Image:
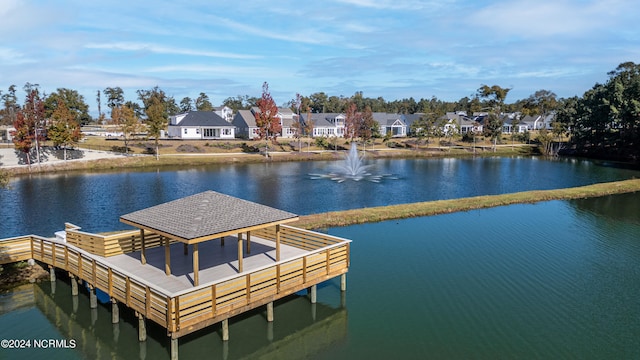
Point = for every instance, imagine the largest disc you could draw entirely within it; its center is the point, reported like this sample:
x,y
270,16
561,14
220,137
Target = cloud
x,y
394,4
535,18
132,46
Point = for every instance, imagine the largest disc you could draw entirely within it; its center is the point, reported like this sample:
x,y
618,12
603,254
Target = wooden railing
x,y
221,299
186,311
113,244
121,286
15,249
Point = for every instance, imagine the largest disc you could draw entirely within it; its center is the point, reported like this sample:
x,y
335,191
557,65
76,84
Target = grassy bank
x,y
167,160
392,212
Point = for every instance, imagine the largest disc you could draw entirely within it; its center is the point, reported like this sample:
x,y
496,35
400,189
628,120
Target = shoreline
x,y
110,161
438,207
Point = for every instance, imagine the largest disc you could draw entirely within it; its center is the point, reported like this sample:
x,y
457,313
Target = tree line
x,y
604,121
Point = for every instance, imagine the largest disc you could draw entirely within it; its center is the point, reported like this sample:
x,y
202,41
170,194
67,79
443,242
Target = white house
x,y
224,112
391,123
200,125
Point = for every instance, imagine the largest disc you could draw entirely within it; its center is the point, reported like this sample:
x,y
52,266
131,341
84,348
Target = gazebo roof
x,y
205,216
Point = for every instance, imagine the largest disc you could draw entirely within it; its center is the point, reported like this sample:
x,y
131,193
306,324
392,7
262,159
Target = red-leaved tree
x,y
28,123
267,119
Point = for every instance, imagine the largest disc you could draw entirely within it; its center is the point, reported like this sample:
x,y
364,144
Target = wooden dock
x,y
307,258
176,271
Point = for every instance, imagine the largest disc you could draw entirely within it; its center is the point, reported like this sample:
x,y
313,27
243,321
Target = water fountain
x,y
351,168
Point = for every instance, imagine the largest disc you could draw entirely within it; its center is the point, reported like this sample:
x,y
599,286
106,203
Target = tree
x,y
64,130
126,122
156,120
99,101
352,121
115,96
267,119
186,104
73,101
11,107
494,97
203,103
28,124
367,126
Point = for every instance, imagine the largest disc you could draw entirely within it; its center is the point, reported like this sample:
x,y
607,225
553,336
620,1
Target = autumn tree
x,y
352,121
368,125
29,123
267,119
63,130
126,121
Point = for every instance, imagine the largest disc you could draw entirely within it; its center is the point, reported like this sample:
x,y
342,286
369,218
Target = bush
x,y
120,149
322,142
249,148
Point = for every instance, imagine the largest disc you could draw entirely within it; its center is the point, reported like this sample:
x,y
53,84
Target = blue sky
x,y
390,48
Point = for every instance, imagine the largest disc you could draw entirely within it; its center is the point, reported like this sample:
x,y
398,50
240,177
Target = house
x,y
224,112
391,123
200,125
6,133
321,125
245,123
409,119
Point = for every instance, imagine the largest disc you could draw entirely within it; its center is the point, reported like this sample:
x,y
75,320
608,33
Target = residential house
x,y
224,112
200,125
245,123
409,119
391,123
6,133
323,125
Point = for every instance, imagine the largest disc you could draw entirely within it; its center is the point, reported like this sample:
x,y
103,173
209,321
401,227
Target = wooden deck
x,y
307,258
217,262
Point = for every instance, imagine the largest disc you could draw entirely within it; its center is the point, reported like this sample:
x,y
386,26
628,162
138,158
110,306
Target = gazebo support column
x,y
185,249
196,265
143,253
239,252
277,242
167,255
248,242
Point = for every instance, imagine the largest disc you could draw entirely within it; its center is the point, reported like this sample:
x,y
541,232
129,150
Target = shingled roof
x,y
205,216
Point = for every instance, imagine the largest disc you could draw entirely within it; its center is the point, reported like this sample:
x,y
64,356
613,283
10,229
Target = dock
x,y
193,262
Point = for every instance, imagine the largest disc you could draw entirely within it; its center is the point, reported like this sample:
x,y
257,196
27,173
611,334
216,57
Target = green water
x,y
555,280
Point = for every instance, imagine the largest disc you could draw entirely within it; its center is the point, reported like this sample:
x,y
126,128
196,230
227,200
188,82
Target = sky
x,y
385,48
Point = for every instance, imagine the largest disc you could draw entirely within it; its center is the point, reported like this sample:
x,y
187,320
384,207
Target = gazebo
x,y
206,216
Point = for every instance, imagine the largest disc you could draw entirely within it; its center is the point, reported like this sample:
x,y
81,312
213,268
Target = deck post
x,y
196,264
74,285
52,274
314,293
270,311
278,242
142,327
115,311
174,349
239,252
93,298
167,255
343,282
248,242
225,330
143,254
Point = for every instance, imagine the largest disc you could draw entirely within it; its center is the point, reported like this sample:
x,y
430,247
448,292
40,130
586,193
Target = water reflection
x,y
300,329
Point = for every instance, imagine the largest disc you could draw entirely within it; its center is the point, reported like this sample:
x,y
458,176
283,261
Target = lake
x,y
556,279
41,204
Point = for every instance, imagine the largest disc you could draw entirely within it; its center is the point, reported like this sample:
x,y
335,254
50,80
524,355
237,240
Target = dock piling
x,y
93,298
115,311
270,311
314,294
343,282
74,285
174,349
142,328
52,273
225,330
